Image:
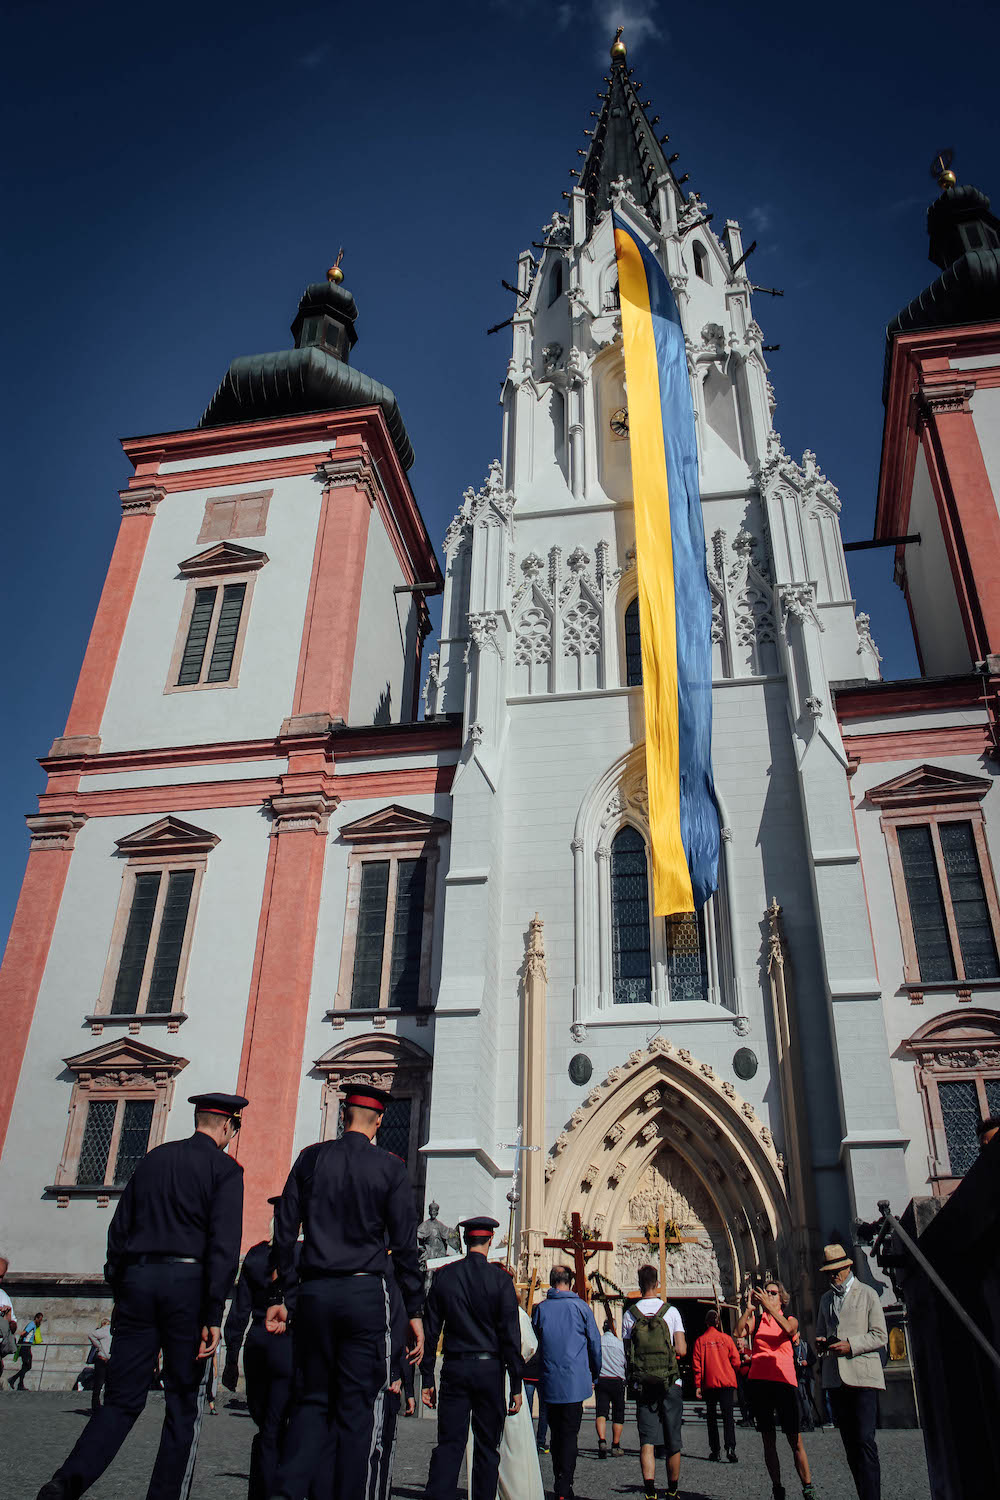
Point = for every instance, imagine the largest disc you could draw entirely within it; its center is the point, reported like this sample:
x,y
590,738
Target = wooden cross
x,y
581,1247
662,1240
716,1302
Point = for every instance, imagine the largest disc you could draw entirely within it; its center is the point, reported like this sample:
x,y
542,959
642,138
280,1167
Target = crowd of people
x,y
332,1317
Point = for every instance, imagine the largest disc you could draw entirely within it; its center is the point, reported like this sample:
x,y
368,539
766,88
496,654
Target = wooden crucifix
x,y
581,1246
665,1238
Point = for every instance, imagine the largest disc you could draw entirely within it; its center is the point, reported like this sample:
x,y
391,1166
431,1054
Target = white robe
x,y
520,1476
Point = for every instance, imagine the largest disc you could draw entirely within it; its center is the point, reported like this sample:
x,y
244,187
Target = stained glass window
x,y
687,968
968,900
133,1143
633,646
960,1113
632,971
367,982
133,960
407,933
97,1133
394,1132
923,893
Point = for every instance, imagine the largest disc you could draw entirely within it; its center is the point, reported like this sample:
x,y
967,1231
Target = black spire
x,y
624,145
314,376
965,242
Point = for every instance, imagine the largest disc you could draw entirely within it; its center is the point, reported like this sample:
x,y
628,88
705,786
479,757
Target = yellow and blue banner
x,y
675,606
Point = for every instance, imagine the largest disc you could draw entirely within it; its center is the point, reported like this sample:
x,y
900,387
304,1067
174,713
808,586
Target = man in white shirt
x,y
8,1320
664,1416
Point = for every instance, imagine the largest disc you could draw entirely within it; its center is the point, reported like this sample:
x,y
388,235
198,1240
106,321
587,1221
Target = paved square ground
x,y
38,1430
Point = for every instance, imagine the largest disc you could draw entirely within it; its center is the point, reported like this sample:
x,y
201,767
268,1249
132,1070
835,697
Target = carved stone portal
x,y
691,1268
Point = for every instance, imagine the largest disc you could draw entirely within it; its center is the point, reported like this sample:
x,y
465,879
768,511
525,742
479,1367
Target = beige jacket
x,y
862,1324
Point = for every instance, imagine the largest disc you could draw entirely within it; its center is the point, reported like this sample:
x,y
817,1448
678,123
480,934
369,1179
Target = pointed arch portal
x,y
665,1127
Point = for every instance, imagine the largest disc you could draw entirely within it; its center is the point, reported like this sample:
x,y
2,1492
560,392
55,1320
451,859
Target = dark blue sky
x,y
178,174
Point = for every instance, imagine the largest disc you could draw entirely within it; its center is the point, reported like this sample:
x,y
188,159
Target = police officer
x,y
267,1364
173,1249
355,1204
476,1303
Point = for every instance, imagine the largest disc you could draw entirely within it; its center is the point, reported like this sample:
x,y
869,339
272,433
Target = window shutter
x,y
133,1143
97,1135
407,935
173,924
133,959
632,971
221,664
197,637
923,893
968,900
367,981
633,646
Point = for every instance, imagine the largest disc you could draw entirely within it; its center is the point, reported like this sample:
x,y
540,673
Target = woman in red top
x,y
716,1360
772,1381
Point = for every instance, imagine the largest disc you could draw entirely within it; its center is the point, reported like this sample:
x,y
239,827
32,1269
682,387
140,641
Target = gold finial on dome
x,y
618,49
335,274
941,169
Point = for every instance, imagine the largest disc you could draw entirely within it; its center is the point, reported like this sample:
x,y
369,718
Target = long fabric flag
x,y
675,607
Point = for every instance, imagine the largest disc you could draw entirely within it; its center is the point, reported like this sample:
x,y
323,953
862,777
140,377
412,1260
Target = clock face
x,y
619,422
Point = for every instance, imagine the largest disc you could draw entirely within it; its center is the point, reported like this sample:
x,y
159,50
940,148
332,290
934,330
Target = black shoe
x,y
602,1448
715,1458
59,1489
731,1455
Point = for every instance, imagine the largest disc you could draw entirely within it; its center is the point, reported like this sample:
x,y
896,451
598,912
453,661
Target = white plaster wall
x,y
986,416
37,1233
240,770
901,1017
939,629
932,718
248,456
139,714
380,651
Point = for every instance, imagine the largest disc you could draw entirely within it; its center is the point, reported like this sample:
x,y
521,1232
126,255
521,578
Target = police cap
x,y
364,1096
230,1105
480,1228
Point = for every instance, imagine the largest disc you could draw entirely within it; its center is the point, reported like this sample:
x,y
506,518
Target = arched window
x,y
633,646
700,255
632,968
555,282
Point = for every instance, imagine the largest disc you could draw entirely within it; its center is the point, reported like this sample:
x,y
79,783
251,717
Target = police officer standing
x,y
267,1364
476,1304
355,1205
173,1249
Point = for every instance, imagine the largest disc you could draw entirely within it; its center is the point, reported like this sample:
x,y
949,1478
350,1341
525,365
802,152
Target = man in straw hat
x,y
850,1330
173,1249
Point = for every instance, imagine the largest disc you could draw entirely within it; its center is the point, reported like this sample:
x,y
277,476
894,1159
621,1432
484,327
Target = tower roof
x,y
314,376
624,145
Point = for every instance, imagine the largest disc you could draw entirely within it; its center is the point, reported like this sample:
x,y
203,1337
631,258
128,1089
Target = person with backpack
x,y
654,1337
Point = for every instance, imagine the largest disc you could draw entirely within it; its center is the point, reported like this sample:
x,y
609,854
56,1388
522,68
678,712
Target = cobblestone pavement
x,y
37,1431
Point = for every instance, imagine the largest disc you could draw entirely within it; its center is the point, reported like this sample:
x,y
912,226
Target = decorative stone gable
x,y
225,557
744,638
393,822
167,835
929,787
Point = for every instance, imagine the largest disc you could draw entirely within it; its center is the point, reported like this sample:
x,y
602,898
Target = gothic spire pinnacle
x,y
624,143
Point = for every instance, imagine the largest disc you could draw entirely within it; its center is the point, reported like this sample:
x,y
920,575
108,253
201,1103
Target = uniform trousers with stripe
x,y
267,1366
157,1307
472,1390
341,1352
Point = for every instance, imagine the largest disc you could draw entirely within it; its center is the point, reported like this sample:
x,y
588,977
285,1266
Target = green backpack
x,y
652,1360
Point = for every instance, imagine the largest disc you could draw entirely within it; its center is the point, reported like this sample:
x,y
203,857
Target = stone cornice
x,y
299,812
54,830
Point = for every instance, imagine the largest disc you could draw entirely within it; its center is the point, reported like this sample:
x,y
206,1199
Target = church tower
x,y
732,1065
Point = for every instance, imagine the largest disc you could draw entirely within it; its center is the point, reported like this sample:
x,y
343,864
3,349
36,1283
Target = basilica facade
x,y
283,847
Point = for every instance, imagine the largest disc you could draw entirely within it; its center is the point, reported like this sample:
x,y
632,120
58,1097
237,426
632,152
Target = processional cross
x,y
514,1196
582,1246
666,1237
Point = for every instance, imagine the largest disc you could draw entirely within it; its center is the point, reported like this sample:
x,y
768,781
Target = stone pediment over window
x,y
959,1039
927,785
167,835
122,1062
225,557
393,822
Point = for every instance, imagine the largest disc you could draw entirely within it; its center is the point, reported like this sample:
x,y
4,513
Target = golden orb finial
x,y
335,274
618,48
941,169
947,179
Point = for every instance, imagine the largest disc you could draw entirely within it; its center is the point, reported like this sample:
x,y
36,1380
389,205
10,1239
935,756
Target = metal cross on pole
x,y
514,1196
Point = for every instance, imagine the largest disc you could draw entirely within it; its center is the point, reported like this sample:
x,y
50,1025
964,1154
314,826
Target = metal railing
x,y
62,1373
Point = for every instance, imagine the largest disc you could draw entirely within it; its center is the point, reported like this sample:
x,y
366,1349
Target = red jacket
x,y
716,1360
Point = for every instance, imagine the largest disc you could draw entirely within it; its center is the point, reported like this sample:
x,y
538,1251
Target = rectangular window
x,y
131,1120
968,900
370,947
407,933
97,1135
215,621
992,1090
633,646
923,894
960,1114
687,969
133,1142
394,1132
154,941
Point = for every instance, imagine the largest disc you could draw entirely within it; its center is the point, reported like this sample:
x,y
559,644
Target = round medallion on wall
x,y
581,1068
745,1063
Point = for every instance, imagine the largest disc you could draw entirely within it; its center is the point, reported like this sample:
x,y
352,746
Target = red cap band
x,y
365,1101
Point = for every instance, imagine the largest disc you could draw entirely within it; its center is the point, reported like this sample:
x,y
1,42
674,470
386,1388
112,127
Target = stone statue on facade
x,y
435,1239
